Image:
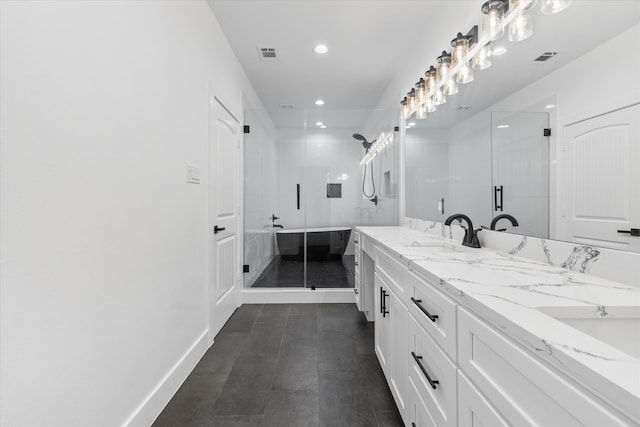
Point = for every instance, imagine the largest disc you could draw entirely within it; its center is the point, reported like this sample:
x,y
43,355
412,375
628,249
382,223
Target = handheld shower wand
x,y
366,144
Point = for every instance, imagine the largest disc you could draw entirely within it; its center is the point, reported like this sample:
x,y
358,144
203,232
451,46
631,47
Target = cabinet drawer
x,y
473,407
417,412
424,301
440,401
392,271
524,390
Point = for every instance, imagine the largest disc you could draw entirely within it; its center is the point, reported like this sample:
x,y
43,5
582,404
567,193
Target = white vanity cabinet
x,y
391,331
447,366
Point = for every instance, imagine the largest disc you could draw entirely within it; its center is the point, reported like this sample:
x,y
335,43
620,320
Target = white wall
x,y
103,241
259,196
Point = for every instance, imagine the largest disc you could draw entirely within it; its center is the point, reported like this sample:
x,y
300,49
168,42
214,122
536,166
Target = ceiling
x,y
372,42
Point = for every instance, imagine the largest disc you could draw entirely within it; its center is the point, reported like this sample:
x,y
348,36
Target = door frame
x,y
213,98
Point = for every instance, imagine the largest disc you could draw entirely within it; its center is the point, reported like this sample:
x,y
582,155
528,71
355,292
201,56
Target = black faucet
x,y
470,235
277,226
495,220
273,221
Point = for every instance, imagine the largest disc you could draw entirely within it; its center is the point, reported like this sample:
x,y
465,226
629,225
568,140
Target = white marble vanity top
x,y
520,296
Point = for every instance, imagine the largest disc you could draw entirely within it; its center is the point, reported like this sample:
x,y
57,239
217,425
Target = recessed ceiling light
x,y
321,49
499,50
502,126
323,127
550,106
411,124
319,123
319,102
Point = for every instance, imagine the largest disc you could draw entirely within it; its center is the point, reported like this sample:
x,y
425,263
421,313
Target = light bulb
x,y
554,6
521,28
450,87
460,47
465,74
430,82
404,104
420,92
438,97
481,61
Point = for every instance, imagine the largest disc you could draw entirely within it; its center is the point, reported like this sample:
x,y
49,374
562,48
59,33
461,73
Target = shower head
x,y
366,144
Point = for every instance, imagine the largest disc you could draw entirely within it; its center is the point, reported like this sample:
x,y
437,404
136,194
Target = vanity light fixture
x,y
493,12
554,6
472,52
321,49
319,102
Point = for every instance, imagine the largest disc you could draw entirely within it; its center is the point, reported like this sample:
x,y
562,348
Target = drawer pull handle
x,y
433,383
417,302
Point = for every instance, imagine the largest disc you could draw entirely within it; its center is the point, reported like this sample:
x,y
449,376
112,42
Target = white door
x,y
602,180
224,168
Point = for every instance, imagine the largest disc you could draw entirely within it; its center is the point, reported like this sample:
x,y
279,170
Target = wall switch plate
x,y
193,174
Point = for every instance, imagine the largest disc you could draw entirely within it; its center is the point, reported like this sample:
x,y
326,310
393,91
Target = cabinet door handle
x,y
433,383
417,302
384,306
381,301
633,231
217,229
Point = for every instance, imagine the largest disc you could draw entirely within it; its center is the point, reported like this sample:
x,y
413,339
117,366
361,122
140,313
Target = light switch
x,y
193,174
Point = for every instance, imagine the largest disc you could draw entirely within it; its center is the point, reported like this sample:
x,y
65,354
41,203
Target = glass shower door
x,y
520,152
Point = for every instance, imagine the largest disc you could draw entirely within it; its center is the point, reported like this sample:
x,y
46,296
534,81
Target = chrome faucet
x,y
470,234
495,220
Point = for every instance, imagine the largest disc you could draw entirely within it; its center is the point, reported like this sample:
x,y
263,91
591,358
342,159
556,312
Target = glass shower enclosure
x,y
305,190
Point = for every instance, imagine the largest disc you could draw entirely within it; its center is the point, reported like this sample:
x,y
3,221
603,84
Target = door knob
x,y
216,229
633,231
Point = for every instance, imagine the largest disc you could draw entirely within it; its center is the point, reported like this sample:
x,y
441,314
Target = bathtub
x,y
322,243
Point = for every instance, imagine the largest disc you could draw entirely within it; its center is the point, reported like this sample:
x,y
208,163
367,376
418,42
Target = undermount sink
x,y
617,326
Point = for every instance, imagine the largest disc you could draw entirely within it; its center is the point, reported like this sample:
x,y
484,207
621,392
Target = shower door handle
x,y
298,195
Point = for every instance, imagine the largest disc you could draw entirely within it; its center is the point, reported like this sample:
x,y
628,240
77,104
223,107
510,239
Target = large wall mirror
x,y
549,133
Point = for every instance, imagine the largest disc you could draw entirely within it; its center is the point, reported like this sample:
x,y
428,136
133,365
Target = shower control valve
x,y
274,218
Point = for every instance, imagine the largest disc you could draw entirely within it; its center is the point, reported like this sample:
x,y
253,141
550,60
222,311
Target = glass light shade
x,y
444,65
450,87
411,97
481,61
460,47
429,105
405,107
439,98
521,28
554,6
465,74
430,81
421,113
420,92
492,14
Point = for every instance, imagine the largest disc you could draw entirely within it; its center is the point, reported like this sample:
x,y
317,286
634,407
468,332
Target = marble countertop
x,y
520,296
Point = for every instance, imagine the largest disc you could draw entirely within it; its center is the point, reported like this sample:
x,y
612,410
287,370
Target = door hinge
x,y
547,132
245,268
246,128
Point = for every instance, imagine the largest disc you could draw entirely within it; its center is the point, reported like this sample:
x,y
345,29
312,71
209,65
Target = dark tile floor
x,y
285,365
282,273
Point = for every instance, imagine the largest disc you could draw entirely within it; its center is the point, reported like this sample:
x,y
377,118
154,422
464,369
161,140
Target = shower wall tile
x,y
620,266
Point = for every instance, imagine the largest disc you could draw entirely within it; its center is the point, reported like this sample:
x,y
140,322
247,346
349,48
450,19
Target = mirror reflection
x,y
548,135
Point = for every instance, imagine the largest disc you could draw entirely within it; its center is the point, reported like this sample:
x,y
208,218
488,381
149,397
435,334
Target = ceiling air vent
x,y
268,53
286,106
546,56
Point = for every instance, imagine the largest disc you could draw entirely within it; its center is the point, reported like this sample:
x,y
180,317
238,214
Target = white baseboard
x,y
297,296
153,405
